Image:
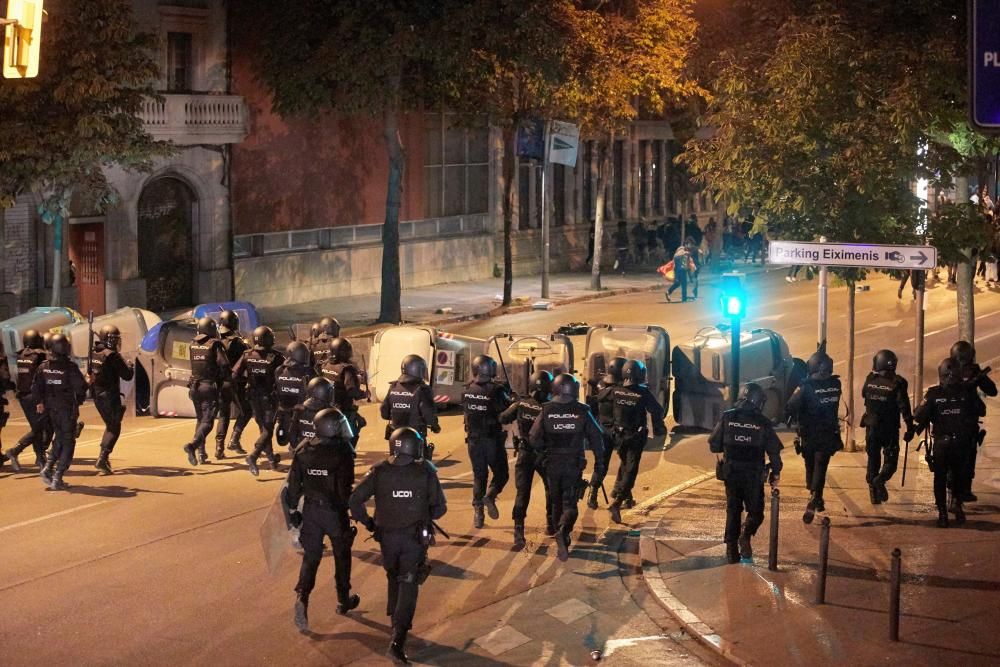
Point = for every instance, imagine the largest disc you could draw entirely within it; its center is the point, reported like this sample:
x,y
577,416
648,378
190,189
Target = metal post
x,y
824,284
772,550
545,218
824,554
919,280
734,380
851,299
894,582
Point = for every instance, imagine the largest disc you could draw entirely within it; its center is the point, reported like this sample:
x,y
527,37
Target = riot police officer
x,y
814,405
743,435
483,400
108,369
601,405
632,401
953,413
319,397
58,391
409,401
231,395
347,381
975,379
29,358
323,471
408,498
5,385
525,412
329,329
886,402
209,369
560,433
256,371
290,382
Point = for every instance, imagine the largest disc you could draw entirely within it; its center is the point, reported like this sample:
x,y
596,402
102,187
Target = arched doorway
x,y
166,235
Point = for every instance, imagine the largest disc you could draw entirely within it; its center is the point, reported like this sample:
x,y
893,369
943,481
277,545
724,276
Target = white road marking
x,y
881,325
51,516
142,431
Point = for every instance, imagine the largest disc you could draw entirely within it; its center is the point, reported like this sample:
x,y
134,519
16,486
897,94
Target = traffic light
x,y
734,298
22,39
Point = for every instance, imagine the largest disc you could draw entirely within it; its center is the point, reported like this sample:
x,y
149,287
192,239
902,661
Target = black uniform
x,y
61,388
409,402
256,371
953,412
346,380
974,380
231,395
743,435
39,434
814,405
482,403
209,369
408,496
323,472
5,385
525,411
303,427
629,407
320,349
108,369
601,405
560,434
290,382
886,402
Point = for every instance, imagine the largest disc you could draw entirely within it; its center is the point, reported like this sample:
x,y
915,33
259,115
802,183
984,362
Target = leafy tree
x,y
80,114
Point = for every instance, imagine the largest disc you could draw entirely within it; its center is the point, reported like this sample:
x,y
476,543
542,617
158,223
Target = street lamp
x,y
734,305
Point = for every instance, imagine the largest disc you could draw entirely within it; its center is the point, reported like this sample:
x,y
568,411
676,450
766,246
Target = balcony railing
x,y
196,119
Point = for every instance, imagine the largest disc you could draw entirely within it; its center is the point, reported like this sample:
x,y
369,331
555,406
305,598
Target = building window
x,y
456,167
180,61
558,195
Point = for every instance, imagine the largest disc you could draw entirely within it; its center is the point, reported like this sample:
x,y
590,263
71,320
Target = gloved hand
x,y
659,429
435,428
910,433
295,518
369,523
773,479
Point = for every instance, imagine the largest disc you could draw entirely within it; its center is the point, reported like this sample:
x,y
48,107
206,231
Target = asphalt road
x,y
161,563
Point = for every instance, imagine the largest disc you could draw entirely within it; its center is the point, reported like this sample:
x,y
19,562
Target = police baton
x,y
605,493
906,454
90,349
364,373
440,529
506,377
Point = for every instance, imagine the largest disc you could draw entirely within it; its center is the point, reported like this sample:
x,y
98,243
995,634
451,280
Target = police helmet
x,y
753,396
948,372
32,339
229,321
207,327
820,364
59,345
540,382
263,338
565,388
885,362
614,374
47,341
633,373
320,389
110,336
327,422
329,326
484,367
341,349
414,366
314,330
963,352
298,352
405,441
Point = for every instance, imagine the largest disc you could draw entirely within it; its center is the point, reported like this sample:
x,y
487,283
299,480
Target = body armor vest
x,y
401,495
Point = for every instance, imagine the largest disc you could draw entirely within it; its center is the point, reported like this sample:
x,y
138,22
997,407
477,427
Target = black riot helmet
x,y
820,365
263,338
47,341
753,396
963,353
405,441
59,345
949,372
484,367
110,336
540,384
414,366
298,352
329,326
32,339
614,374
341,349
207,327
229,321
327,422
633,373
314,331
884,363
565,388
320,389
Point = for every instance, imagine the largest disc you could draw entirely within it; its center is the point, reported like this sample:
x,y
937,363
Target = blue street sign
x,y
984,65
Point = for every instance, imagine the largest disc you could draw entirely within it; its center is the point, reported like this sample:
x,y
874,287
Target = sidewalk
x,y
951,585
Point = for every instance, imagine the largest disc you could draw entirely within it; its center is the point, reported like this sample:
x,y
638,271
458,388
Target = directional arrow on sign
x,y
560,145
920,256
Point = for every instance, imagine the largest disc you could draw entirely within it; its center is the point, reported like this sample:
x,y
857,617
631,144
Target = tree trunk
x,y
509,153
390,308
603,167
851,296
965,273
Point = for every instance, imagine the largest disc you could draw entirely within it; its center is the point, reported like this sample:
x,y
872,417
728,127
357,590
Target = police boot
x,y
57,483
220,451
189,450
397,649
102,463
807,516
967,497
550,528
273,461
202,455
562,545
592,499
746,551
959,514
350,603
302,612
616,510
491,507
629,501
477,516
12,457
519,541
873,494
942,521
46,474
79,430
820,505
252,465
732,553
234,443
883,493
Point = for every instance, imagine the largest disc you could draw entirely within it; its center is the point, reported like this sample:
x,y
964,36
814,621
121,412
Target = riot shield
x,y
277,536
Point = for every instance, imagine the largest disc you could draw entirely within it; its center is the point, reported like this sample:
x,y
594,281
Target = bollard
x,y
894,583
824,553
772,551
